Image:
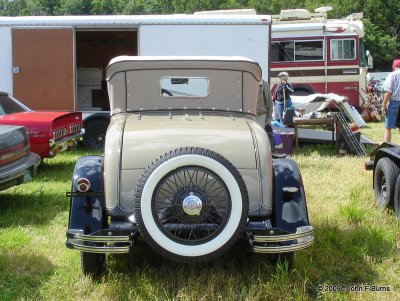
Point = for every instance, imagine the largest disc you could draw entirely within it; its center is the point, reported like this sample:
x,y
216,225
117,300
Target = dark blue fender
x,y
290,211
87,209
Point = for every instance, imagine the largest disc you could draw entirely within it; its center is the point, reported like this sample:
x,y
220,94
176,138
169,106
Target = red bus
x,y
321,55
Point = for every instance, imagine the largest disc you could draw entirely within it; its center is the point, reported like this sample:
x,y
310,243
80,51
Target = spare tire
x,y
191,205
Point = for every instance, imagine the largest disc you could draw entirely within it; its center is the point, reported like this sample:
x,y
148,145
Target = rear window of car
x,y
172,86
8,106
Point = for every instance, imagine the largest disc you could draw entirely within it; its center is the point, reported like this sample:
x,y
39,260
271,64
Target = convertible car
x,y
186,167
17,163
49,131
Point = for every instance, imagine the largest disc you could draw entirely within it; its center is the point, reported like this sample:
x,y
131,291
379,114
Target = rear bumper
x,y
102,241
57,146
262,240
274,240
19,172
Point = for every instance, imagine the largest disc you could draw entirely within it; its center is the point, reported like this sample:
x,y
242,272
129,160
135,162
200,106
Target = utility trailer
x,y
385,164
59,62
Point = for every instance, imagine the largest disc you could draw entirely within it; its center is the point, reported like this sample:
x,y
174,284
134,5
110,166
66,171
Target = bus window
x,y
282,51
297,51
343,49
309,51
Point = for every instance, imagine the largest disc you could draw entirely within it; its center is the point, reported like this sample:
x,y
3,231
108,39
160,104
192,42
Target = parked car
x,y
49,131
186,166
17,163
385,164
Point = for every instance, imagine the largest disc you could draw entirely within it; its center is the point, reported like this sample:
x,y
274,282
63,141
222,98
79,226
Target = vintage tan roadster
x,y
186,166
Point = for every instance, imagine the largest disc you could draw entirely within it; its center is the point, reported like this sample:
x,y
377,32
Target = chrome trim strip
x,y
283,249
285,237
99,238
302,239
98,249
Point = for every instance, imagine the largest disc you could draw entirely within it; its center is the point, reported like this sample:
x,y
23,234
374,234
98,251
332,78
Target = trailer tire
x,y
385,177
95,134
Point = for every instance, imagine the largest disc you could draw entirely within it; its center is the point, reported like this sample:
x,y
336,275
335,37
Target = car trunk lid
x,y
149,135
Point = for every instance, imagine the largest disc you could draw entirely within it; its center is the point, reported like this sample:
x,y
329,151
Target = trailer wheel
x,y
191,205
385,177
397,198
95,134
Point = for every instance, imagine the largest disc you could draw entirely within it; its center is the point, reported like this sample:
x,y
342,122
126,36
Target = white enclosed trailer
x,y
58,62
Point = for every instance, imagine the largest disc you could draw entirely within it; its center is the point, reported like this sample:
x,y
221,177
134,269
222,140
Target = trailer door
x,y
43,73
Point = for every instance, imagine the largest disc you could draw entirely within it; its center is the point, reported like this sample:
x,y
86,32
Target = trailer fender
x,y
87,207
290,209
386,150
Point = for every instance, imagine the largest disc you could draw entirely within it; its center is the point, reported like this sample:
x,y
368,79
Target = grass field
x,y
355,255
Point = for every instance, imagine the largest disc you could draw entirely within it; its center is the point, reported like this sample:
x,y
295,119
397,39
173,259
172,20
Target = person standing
x,y
391,100
282,95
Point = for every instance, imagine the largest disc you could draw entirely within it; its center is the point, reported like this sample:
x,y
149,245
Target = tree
x,y
381,45
43,7
102,7
13,8
74,7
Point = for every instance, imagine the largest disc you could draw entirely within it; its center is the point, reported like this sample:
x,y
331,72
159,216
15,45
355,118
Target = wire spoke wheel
x,y
191,205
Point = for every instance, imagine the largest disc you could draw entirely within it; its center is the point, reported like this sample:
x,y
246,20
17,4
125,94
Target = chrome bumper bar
x,y
102,241
267,240
277,241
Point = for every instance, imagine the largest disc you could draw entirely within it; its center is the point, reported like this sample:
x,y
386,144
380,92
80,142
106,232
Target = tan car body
x,y
186,166
224,124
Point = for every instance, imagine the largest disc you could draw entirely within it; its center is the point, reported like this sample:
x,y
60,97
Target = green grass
x,y
355,244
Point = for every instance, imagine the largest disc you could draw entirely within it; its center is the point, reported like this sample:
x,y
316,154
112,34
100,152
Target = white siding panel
x,y
6,83
247,40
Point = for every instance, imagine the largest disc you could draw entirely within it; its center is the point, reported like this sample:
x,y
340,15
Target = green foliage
x,y
13,8
74,7
380,43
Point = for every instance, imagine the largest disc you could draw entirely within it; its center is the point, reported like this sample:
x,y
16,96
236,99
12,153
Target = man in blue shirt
x,y
391,99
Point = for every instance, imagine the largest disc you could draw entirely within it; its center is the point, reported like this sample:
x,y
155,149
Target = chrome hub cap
x,y
192,204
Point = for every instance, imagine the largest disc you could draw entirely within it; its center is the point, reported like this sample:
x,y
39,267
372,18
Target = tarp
x,y
316,102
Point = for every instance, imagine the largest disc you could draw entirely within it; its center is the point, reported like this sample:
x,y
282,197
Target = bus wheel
x,y
303,91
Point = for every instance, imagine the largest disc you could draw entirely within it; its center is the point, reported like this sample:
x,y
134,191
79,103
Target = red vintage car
x,y
49,131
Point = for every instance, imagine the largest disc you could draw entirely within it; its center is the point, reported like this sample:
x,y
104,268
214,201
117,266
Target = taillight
x,y
13,153
83,185
75,128
58,134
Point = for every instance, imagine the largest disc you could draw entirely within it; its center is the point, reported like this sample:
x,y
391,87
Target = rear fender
x,y
87,209
290,211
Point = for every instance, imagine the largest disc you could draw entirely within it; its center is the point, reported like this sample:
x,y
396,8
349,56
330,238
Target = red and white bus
x,y
321,55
